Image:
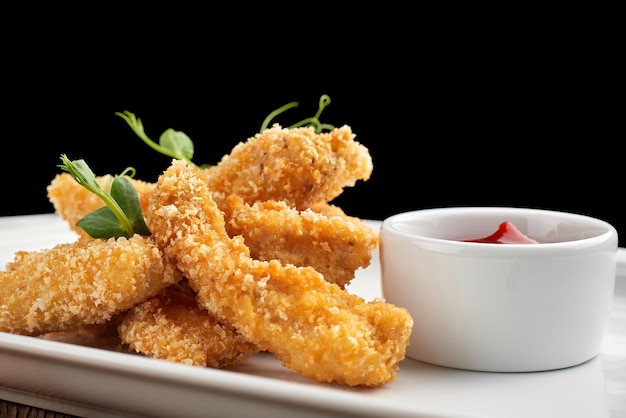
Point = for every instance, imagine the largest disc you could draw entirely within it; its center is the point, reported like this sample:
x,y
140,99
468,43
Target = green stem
x,y
125,223
275,113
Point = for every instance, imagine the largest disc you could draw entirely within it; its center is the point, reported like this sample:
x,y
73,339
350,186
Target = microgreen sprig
x,y
122,216
175,144
178,145
313,121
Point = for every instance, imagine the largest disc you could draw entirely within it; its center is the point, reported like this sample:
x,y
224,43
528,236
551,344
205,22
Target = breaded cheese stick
x,y
295,165
313,327
171,326
335,246
83,282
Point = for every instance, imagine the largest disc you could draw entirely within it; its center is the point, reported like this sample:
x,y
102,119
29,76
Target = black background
x,y
470,117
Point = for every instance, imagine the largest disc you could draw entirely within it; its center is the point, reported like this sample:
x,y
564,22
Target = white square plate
x,y
98,383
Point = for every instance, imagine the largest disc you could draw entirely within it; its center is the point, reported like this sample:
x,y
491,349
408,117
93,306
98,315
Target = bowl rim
x,y
608,231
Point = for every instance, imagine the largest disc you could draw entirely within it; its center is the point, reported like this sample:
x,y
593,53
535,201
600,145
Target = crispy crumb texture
x,y
171,326
247,255
79,283
312,326
296,166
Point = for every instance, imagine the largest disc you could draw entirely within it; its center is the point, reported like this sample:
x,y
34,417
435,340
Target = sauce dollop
x,y
506,233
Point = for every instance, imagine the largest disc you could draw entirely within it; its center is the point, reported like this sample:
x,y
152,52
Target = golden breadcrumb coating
x,y
79,283
171,326
327,209
296,165
335,246
311,326
72,202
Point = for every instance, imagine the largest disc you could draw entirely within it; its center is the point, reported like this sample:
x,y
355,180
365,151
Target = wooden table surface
x,y
15,410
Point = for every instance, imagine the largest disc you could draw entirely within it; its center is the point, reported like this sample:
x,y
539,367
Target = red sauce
x,y
506,233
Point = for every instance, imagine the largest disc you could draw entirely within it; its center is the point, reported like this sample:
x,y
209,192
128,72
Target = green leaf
x,y
102,223
122,214
177,143
123,191
82,174
172,143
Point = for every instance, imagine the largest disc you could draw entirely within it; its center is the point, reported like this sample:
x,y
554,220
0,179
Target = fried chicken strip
x,y
313,327
296,165
80,283
323,237
171,326
335,246
72,201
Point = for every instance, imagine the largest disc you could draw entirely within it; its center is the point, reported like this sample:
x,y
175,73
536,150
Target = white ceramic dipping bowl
x,y
500,307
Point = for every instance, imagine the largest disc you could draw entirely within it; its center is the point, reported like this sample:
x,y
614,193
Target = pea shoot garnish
x,y
122,216
175,144
178,145
312,121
